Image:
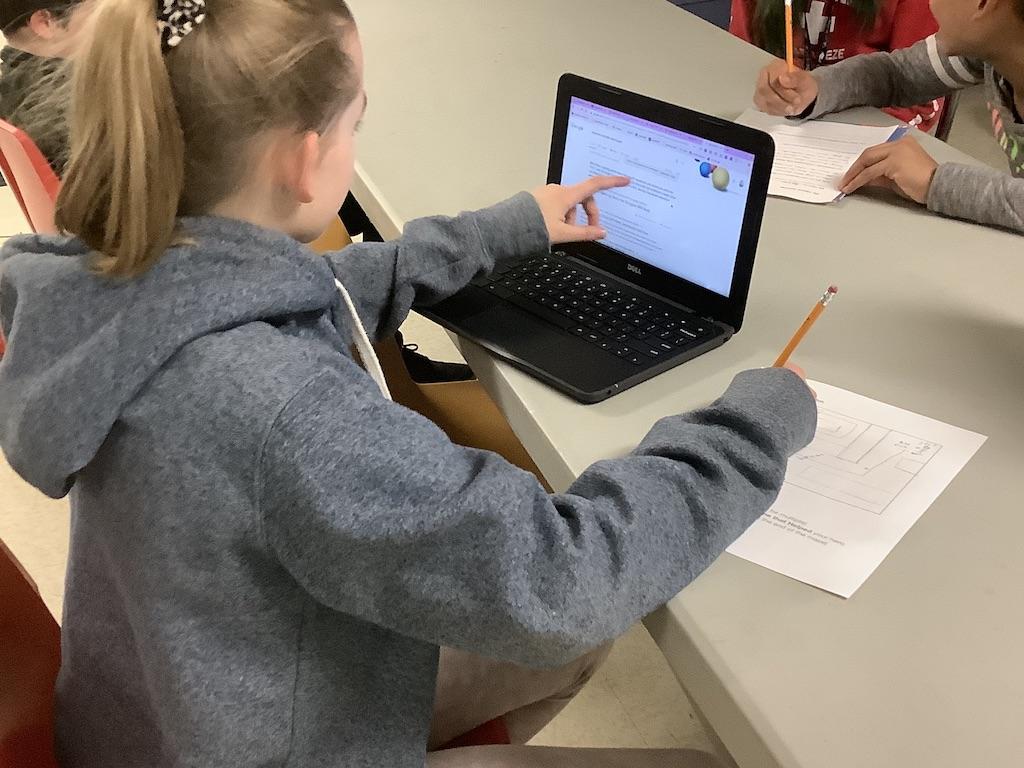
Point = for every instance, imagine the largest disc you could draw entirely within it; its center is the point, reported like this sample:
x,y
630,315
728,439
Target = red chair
x,y
29,661
30,177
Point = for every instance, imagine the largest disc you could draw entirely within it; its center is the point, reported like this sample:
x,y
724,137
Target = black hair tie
x,y
175,19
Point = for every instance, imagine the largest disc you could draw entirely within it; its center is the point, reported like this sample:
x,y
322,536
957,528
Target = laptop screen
x,y
683,212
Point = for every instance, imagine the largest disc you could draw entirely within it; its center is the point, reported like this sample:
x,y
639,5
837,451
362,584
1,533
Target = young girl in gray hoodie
x,y
267,553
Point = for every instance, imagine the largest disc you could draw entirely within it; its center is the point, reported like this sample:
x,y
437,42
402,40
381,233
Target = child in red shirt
x,y
830,31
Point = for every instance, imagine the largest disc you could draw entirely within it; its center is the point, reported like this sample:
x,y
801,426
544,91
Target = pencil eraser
x,y
833,289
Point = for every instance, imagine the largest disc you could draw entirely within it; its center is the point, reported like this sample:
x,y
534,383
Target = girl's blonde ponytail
x,y
156,136
122,188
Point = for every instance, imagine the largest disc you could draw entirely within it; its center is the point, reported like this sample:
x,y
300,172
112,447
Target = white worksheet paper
x,y
811,158
854,492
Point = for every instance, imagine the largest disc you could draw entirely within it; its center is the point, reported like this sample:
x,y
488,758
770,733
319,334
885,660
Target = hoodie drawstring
x,y
366,352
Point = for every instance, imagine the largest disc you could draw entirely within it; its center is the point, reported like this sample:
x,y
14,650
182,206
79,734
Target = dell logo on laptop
x,y
634,269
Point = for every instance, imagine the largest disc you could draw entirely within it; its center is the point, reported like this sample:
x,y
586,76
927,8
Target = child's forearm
x,y
904,78
979,194
379,516
434,259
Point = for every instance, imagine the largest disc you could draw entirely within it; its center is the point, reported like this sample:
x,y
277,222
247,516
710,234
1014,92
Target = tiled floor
x,y
633,701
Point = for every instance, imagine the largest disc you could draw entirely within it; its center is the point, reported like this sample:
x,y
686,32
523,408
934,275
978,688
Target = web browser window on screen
x,y
684,210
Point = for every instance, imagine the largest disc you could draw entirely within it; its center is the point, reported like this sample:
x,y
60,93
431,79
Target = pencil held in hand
x,y
808,324
789,36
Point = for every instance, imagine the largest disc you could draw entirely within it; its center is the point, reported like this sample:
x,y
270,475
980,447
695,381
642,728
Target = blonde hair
x,y
155,136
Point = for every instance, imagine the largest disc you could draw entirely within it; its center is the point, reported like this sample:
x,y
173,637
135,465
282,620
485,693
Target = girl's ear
x,y
43,24
300,165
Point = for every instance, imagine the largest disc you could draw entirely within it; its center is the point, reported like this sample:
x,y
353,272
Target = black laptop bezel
x,y
706,303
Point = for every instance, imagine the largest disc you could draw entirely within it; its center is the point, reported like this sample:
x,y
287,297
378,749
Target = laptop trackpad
x,y
520,336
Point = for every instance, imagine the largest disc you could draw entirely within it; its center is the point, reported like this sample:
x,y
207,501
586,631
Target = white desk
x,y
925,665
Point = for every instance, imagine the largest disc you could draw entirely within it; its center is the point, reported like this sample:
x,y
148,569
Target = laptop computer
x,y
670,281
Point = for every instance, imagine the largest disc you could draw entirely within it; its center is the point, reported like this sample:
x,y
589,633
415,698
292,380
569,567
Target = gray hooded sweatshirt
x,y
266,554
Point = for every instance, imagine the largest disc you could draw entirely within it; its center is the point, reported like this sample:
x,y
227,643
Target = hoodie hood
x,y
81,347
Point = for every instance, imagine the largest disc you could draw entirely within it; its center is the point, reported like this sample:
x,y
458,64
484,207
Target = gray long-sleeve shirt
x,y
917,74
266,553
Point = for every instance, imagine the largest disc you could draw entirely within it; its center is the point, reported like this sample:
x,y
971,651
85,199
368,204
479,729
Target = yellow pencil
x,y
789,36
808,324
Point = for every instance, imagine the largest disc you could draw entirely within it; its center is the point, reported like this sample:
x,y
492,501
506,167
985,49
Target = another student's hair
x,y
155,136
769,25
41,111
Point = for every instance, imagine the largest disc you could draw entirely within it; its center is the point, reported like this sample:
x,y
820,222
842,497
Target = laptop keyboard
x,y
623,323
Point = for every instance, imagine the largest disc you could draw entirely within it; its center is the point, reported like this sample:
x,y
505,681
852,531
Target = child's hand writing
x,y
797,370
800,372
784,93
901,166
559,204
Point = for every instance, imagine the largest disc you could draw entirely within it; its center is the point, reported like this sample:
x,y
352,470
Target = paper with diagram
x,y
851,495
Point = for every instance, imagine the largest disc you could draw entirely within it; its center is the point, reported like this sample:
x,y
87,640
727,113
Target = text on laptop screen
x,y
683,211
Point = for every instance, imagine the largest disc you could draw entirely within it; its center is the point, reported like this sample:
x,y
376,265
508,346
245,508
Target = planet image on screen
x,y
719,176
720,179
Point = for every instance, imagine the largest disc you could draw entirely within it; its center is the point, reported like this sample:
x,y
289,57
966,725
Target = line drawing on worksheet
x,y
858,463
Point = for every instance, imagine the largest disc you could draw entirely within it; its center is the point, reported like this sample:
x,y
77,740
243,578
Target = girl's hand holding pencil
x,y
784,92
797,370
